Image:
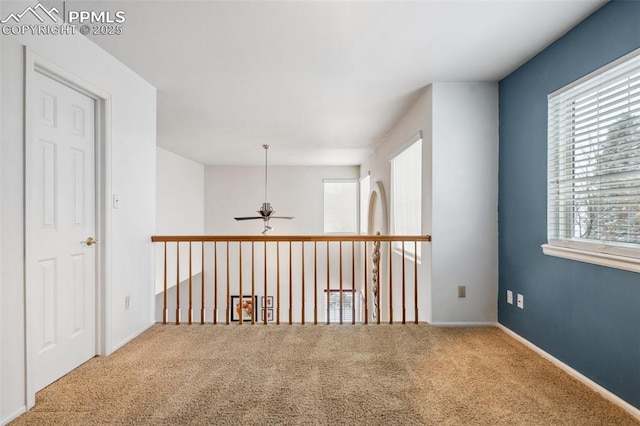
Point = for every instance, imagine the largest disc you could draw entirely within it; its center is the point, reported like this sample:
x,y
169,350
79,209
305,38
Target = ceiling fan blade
x,y
249,218
281,217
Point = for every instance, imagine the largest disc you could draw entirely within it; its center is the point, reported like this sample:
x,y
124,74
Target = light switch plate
x,y
510,297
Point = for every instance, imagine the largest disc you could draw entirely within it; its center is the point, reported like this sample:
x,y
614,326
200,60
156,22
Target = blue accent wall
x,y
587,316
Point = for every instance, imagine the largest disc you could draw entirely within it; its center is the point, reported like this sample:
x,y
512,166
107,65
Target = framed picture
x,y
269,315
244,307
269,302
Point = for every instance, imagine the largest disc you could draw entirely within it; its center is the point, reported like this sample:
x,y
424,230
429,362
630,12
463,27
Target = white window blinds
x,y
594,158
333,301
406,192
365,188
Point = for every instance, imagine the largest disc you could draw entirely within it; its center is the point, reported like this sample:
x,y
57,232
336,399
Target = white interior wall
x,y
465,202
417,118
459,122
293,191
130,159
12,369
179,211
1,220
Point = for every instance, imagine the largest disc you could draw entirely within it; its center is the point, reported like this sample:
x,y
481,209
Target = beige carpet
x,y
395,375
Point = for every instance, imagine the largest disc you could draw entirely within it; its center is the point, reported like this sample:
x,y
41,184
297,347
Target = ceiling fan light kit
x,y
266,211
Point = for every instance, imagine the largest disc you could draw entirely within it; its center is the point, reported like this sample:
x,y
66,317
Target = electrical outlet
x,y
510,297
520,301
462,291
127,303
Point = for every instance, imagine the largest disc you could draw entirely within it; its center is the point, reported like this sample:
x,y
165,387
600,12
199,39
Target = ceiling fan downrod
x,y
266,209
266,176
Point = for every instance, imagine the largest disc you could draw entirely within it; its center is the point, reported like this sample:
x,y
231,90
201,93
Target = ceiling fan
x,y
266,211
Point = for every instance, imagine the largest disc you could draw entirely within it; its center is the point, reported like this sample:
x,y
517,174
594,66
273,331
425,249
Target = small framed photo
x,y
269,315
244,307
269,301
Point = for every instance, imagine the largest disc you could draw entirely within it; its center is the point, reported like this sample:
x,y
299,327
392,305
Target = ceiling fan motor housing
x,y
266,210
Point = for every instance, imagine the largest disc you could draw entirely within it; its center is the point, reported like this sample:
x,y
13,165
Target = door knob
x,y
90,241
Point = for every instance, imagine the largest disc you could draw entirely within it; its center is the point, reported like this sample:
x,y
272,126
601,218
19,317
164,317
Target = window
x,y
365,188
340,206
333,301
594,167
406,192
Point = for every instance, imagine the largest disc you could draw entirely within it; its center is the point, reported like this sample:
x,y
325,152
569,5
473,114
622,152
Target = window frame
x,y
351,309
608,253
363,205
397,245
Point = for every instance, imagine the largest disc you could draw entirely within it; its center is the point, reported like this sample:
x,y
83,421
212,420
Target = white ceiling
x,y
321,82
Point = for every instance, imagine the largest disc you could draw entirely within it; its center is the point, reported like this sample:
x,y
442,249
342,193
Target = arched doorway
x,y
378,217
378,223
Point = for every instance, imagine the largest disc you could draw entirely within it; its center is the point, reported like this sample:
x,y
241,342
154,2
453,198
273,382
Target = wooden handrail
x,y
380,279
292,238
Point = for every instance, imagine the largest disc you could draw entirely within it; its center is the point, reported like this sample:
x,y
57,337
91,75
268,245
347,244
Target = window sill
x,y
597,258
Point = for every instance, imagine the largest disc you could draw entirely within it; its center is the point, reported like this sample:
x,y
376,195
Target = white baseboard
x,y
463,323
130,338
11,417
635,412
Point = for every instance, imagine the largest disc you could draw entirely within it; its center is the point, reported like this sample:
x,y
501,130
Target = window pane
x,y
406,192
365,188
340,206
334,306
594,158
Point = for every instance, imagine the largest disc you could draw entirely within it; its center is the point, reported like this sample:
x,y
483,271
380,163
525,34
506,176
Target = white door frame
x,y
37,64
1,412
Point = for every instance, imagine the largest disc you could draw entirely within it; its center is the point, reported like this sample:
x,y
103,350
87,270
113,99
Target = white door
x,y
60,216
